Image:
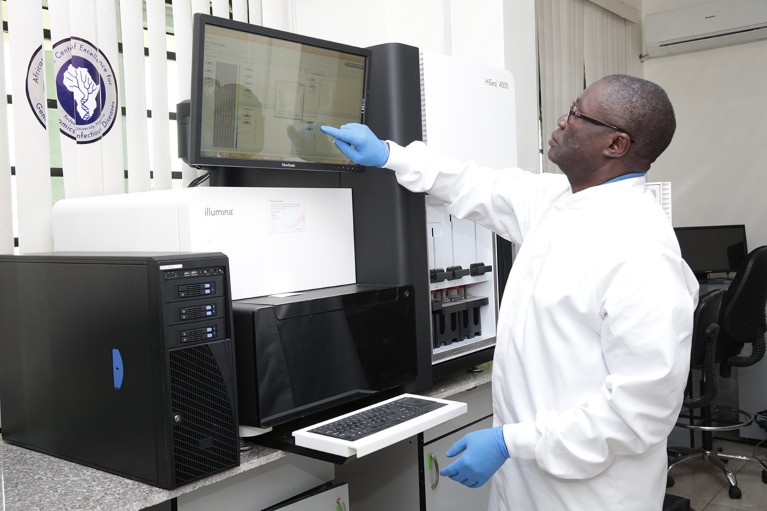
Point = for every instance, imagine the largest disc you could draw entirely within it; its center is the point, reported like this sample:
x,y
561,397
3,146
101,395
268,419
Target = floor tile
x,y
697,505
697,480
706,487
753,489
716,507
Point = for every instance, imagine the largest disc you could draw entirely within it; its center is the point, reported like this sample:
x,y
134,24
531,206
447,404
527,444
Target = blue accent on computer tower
x,y
117,368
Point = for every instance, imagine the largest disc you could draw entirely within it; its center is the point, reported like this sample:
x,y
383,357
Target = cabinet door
x,y
333,499
442,493
264,486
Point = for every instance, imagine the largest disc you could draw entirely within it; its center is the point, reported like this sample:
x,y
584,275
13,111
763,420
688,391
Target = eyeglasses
x,y
573,113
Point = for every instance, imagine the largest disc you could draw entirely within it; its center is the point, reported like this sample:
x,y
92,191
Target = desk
x,y
33,481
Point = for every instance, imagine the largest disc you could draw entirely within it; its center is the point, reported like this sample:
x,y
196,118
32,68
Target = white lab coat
x,y
594,332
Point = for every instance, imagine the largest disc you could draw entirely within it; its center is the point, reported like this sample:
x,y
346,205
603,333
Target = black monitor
x,y
713,248
259,96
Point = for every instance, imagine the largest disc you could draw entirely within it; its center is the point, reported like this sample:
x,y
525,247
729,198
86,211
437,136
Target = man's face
x,y
575,147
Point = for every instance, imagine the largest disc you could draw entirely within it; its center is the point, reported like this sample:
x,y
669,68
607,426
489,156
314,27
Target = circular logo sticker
x,y
86,89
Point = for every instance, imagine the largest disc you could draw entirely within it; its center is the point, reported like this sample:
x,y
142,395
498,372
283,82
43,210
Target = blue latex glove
x,y
484,453
359,144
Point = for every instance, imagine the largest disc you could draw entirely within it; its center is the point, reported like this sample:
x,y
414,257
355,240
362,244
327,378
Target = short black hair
x,y
643,109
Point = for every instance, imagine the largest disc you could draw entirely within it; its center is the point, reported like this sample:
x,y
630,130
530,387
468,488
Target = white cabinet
x,y
442,493
335,498
262,487
385,480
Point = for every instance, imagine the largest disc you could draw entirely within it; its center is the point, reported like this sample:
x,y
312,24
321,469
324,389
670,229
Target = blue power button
x,y
117,368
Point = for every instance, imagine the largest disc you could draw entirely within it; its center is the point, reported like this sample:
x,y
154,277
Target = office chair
x,y
724,321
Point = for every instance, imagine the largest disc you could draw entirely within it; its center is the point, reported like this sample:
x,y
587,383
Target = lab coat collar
x,y
606,191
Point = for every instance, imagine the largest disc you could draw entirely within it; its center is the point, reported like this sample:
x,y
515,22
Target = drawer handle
x,y
433,461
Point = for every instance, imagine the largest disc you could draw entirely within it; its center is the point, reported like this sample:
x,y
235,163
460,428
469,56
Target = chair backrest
x,y
703,352
742,316
706,314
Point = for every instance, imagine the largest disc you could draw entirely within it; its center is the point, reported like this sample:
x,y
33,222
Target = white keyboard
x,y
374,427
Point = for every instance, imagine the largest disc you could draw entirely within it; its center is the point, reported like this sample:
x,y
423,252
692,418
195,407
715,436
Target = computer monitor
x,y
259,96
713,248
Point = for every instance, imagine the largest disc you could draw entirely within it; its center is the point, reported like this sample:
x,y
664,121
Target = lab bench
x,y
33,481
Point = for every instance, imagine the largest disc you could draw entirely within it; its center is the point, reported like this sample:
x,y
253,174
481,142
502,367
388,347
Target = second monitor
x,y
713,248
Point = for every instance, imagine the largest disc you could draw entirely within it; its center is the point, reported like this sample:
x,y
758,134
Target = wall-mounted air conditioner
x,y
704,26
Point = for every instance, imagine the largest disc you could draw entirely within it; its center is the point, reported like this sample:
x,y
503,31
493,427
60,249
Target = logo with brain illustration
x,y
86,89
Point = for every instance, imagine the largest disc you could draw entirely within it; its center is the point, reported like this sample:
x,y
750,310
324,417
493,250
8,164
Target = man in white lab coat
x,y
594,331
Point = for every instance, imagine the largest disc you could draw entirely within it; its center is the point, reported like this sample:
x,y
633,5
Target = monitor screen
x,y
713,249
260,95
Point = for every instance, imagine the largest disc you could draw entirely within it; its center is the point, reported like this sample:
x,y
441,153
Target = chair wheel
x,y
735,492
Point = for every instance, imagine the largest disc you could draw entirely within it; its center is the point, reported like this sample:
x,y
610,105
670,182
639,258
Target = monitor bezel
x,y
195,158
739,227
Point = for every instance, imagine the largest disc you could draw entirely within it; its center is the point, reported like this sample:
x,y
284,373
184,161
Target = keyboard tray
x,y
445,411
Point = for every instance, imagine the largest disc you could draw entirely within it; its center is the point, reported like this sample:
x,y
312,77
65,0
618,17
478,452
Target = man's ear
x,y
619,145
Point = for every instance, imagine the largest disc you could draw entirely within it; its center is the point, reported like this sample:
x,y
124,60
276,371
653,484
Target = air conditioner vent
x,y
705,26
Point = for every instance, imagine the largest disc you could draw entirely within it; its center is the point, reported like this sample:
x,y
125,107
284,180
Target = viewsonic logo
x,y
292,165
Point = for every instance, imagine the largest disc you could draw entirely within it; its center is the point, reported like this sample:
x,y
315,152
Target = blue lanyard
x,y
625,176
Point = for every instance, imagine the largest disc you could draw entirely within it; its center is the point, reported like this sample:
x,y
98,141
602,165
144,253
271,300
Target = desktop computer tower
x,y
121,361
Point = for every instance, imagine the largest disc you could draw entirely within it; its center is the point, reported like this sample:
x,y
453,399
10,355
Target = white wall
x,y
490,32
717,162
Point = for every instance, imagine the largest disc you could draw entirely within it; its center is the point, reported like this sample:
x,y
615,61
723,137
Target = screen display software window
x,y
257,90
